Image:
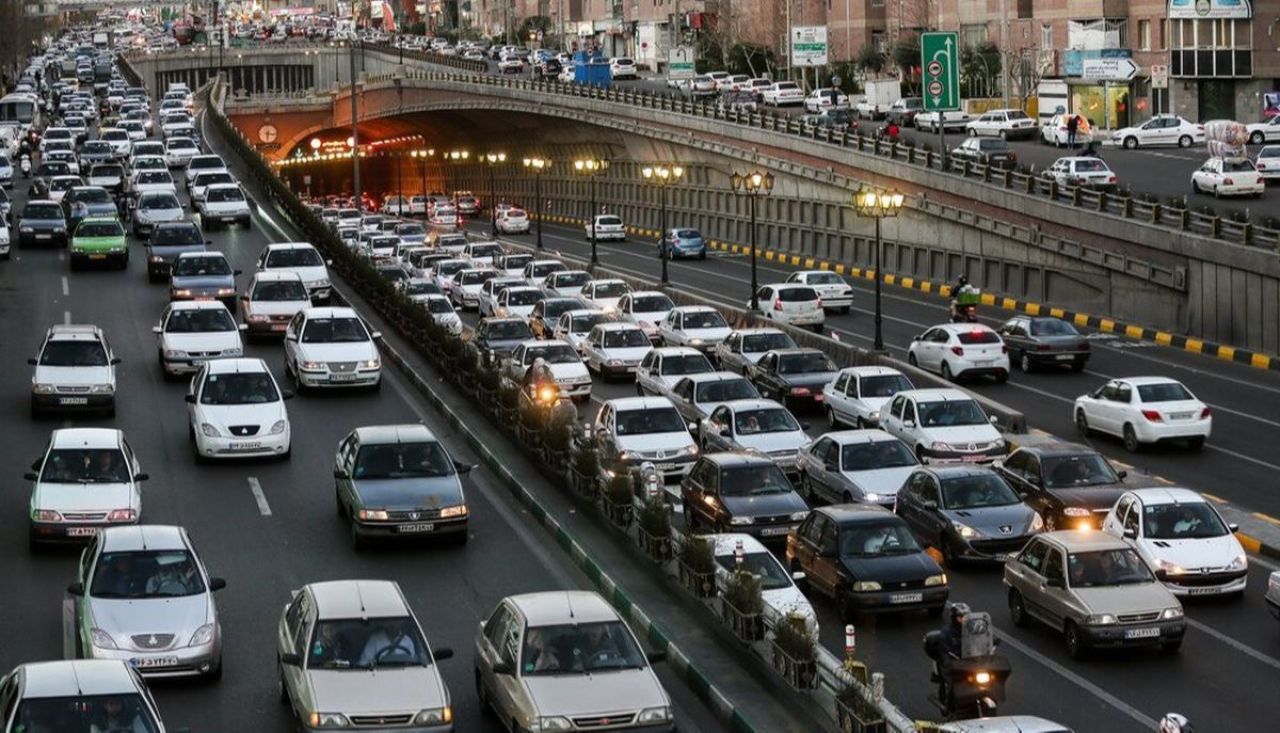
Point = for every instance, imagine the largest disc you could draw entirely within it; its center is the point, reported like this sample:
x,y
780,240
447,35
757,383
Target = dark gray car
x,y
498,337
169,240
967,513
739,492
203,276
1044,341
42,223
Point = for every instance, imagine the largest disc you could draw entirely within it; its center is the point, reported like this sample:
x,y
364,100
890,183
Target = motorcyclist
x,y
962,294
950,636
540,383
1175,723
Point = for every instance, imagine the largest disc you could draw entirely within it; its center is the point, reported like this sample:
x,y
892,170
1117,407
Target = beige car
x,y
1095,589
565,661
352,655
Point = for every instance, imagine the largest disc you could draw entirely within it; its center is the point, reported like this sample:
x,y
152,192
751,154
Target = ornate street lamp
x,y
877,203
663,176
493,160
753,185
591,167
457,157
537,166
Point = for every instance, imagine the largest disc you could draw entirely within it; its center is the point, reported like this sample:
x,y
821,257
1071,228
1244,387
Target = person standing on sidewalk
x,y
1073,125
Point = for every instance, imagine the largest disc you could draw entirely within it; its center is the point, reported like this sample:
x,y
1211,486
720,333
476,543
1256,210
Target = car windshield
x,y
146,574
625,338
677,364
804,363
951,413
1163,392
584,324
201,266
334,330
760,564
552,309
230,193
486,250
1189,521
85,466
575,648
976,492
366,643
724,390
174,235
410,230
419,287
651,420
239,388
978,336
758,343
394,274
517,262
100,229
92,195
280,290
106,171
869,539
1120,566
163,201
765,420
572,279
688,234
754,479
1237,165
825,278
200,320
450,267
884,385
704,319
155,177
1086,469
651,304
73,354
524,297
507,330
64,184
478,277
552,354
402,460
611,290
875,455
1052,327
439,305
84,714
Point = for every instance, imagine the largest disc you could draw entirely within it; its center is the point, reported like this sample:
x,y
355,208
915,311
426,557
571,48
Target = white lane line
x,y
1264,563
263,507
1242,456
1146,722
62,255
66,286
1236,644
66,318
1198,372
68,628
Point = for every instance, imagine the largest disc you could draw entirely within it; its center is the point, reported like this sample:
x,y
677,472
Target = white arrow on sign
x,y
1118,69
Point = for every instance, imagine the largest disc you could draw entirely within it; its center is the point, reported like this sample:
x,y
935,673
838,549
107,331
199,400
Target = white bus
x,y
22,110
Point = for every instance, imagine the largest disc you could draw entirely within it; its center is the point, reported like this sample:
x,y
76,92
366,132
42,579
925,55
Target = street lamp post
x,y
591,167
459,157
422,155
752,184
663,176
493,159
537,166
877,203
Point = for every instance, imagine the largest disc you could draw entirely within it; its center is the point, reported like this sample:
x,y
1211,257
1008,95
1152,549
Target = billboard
x,y
809,45
1212,9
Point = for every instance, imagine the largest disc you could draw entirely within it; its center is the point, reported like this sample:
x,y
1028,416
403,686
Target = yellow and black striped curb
x,y
1105,325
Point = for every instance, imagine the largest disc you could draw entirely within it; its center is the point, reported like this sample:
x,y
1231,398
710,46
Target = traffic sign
x,y
1159,76
680,62
1108,69
939,57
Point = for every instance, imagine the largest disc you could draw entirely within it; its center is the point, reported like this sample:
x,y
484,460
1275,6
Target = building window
x,y
877,3
1046,36
1163,28
1144,35
1098,34
973,34
879,42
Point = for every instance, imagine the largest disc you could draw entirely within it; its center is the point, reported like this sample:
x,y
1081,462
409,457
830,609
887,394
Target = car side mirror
x,y
908,423
32,361
993,420
1233,527
656,656
376,335
291,659
286,394
141,476
725,431
191,399
236,272
339,473
929,504
442,653
918,337
291,337
1055,583
804,426
501,668
75,589
1130,533
462,467
157,329
217,584
1122,474
115,360
31,476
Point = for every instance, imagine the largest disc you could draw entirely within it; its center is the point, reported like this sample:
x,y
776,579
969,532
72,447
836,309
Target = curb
x,y
1106,325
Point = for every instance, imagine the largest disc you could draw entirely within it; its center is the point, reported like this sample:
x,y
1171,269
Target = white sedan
x,y
1264,132
646,309
607,226
236,410
1228,177
824,99
664,366
859,394
779,596
567,368
1268,162
441,311
1144,410
956,120
192,332
956,350
1160,130
790,303
605,294
836,294
517,301
86,478
699,326
615,348
1183,539
331,347
783,92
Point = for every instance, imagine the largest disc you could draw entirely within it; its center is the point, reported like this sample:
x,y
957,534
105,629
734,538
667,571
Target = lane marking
x,y
68,628
1242,456
62,255
66,318
263,507
1236,644
66,286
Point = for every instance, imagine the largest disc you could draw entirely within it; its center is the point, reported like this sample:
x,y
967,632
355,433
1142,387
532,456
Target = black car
x,y
83,202
793,377
739,492
1069,485
991,151
498,337
44,174
966,512
1044,341
866,559
42,223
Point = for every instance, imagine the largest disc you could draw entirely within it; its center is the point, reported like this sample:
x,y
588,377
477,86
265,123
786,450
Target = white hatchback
x,y
699,326
1144,410
958,350
192,332
790,303
607,227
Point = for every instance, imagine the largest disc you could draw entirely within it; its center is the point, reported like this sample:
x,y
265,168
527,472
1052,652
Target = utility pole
x,y
791,62
564,46
1004,52
357,191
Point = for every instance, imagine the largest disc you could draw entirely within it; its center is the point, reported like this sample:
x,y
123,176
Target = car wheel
x,y
1077,365
1025,363
832,420
1071,637
1184,141
1017,609
1082,423
357,542
1130,143
1257,138
1004,134
1002,377
639,390
946,372
911,359
482,695
971,132
1195,443
1131,443
1195,187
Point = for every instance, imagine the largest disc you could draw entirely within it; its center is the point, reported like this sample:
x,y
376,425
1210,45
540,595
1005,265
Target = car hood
x,y
1126,599
708,334
349,351
586,695
1092,498
277,307
84,497
995,521
782,502
264,415
73,375
1210,552
574,370
308,274
203,281
370,692
633,353
770,442
161,214
881,480
890,569
123,618
216,341
671,443
962,434
409,493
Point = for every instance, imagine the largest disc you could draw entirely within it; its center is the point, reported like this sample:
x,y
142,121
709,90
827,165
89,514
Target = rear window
x,y
797,295
969,338
1164,392
1236,166
1091,166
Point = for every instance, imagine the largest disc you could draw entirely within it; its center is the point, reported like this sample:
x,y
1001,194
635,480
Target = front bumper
x,y
173,663
1119,635
672,470
69,533
83,402
410,529
326,378
255,446
931,455
896,601
995,550
1205,584
42,238
447,728
769,535
266,328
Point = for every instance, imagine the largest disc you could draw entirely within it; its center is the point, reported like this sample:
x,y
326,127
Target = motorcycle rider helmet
x,y
964,280
959,611
1175,723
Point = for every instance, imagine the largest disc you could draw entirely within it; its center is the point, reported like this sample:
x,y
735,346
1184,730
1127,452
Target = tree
x,y
870,60
979,70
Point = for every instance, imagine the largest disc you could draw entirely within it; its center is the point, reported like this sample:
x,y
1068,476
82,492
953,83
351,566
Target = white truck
x,y
880,94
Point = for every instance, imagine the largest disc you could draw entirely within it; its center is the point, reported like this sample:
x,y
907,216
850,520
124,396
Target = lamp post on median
x,y
591,167
537,166
877,203
753,184
663,176
421,155
457,157
493,160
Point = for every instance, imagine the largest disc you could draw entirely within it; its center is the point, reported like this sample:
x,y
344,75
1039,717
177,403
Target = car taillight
x,y
1013,157
1204,413
1111,179
800,390
957,350
1004,349
1152,416
1228,182
777,305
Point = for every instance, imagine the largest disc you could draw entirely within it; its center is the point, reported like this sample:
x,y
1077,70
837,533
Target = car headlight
x,y
203,636
695,342
45,515
174,353
434,716
224,292
550,723
939,445
1239,562
373,515
233,352
181,293
1075,511
459,510
1101,619
322,283
101,639
939,579
866,586
102,388
312,365
614,362
742,520
1170,568
874,415
122,515
209,431
654,715
371,364
799,516
690,450
44,389
257,318
279,427
328,720
156,259
965,531
26,230
1172,613
1037,522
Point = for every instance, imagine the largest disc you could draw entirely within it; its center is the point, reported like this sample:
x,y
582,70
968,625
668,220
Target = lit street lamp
x,y
493,159
590,167
753,184
877,203
663,176
537,166
459,157
422,156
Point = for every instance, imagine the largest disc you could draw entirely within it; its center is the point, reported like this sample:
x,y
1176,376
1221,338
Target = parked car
x,y
1143,411
623,68
954,120
903,112
855,467
824,98
1160,130
993,152
782,93
1054,132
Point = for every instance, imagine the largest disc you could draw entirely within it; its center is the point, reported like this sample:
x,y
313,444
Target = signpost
x,y
1108,69
809,45
940,62
680,62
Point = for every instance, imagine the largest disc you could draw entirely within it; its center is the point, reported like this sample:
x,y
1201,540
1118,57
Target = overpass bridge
x,y
1014,234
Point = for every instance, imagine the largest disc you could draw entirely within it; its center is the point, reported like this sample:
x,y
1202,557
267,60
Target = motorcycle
x,y
967,313
971,683
24,164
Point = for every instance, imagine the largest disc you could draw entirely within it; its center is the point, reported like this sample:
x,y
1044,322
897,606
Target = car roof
x,y
871,371
935,395
329,312
758,403
719,376
677,351
276,275
1004,724
237,366
727,543
1077,540
388,434
86,438
629,404
1057,448
142,537
796,350
849,437
358,599
957,470
558,607
846,513
1168,495
756,331
196,305
74,332
726,459
618,326
77,677
1136,381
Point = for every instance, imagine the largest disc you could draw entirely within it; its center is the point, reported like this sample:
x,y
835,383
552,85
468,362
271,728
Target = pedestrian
x,y
1073,124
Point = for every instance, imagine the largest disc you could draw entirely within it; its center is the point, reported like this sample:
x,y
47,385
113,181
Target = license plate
x,y
906,598
666,466
43,236
246,445
1148,633
97,257
415,528
152,662
1201,591
1181,415
342,377
774,531
73,400
631,370
279,327
974,459
81,531
1064,357
982,362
